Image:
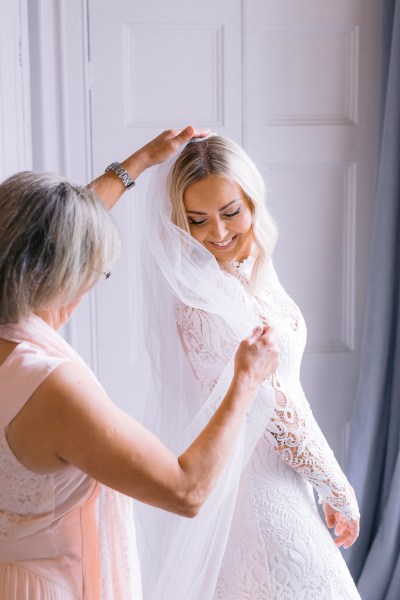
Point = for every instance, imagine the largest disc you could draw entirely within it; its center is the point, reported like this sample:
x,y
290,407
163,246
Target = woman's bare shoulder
x,y
66,402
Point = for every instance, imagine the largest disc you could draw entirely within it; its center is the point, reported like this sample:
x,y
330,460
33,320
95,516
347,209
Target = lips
x,y
227,244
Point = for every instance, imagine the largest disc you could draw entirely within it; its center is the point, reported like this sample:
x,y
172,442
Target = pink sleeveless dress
x,y
62,536
48,523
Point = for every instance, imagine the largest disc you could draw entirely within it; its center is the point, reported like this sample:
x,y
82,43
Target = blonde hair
x,y
217,155
56,240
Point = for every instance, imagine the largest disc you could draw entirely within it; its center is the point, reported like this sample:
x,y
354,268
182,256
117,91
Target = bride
x,y
209,278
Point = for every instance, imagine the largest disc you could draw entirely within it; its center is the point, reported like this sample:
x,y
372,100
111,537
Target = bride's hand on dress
x,y
257,357
346,531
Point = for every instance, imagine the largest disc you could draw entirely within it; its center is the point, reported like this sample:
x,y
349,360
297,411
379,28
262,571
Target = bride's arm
x,y
109,188
296,436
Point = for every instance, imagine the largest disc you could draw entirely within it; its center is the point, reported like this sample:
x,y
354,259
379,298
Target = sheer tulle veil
x,y
181,558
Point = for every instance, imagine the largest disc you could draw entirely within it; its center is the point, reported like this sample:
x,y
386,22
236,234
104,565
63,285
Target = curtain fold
x,y
374,457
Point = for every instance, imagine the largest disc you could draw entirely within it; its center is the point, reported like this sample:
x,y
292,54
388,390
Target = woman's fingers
x,y
258,354
257,331
191,132
168,142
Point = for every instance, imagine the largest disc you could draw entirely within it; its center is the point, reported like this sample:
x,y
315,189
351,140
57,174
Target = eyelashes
x,y
232,214
228,215
191,222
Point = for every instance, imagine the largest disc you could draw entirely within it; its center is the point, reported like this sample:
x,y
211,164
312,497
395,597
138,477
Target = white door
x,y
295,83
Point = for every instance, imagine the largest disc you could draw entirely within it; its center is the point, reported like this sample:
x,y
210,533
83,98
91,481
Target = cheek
x,y
246,222
196,233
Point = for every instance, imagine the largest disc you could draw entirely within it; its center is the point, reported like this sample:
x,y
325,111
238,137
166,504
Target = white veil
x,y
181,558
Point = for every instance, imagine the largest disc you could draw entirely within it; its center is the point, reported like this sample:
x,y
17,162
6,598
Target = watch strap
x,y
122,173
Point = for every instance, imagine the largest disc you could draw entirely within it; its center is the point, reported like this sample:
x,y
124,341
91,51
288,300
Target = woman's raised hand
x,y
166,144
257,357
346,531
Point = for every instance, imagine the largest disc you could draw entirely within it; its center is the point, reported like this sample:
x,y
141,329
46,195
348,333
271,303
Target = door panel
x,y
307,117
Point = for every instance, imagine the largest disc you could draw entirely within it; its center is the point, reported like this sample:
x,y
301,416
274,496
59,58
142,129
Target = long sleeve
x,y
292,431
296,436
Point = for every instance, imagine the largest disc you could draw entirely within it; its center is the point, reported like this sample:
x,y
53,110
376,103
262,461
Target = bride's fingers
x,y
330,520
347,533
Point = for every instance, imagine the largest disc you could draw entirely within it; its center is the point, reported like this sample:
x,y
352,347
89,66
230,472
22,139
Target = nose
x,y
218,230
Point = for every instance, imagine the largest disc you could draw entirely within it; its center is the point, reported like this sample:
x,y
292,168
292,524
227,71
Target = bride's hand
x,y
166,144
346,531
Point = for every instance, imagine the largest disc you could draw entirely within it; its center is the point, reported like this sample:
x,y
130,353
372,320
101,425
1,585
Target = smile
x,y
226,244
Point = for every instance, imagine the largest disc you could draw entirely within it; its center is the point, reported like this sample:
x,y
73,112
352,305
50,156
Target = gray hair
x,y
217,155
56,241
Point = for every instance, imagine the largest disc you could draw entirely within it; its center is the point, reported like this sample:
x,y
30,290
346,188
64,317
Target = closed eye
x,y
192,222
228,215
232,214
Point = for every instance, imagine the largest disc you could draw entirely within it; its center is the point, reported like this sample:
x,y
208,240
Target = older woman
x,y
61,437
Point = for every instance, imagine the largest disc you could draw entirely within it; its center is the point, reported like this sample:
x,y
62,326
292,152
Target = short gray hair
x,y
56,241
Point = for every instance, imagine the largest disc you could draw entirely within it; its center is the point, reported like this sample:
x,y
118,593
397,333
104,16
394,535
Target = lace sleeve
x,y
292,431
208,344
296,436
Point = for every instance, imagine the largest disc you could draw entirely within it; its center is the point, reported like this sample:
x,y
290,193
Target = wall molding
x,y
186,33
60,87
350,41
61,133
348,172
15,110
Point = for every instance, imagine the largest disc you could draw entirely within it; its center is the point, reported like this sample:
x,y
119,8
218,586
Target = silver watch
x,y
122,173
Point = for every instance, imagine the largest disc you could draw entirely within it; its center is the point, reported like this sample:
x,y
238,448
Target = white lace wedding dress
x,y
278,547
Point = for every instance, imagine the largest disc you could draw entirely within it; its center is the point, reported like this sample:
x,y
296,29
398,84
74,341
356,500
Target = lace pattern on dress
x,y
21,491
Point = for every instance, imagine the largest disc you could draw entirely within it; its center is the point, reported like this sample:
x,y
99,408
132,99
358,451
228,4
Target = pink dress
x,y
48,528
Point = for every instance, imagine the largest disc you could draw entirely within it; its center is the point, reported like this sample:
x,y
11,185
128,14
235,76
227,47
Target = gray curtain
x,y
374,457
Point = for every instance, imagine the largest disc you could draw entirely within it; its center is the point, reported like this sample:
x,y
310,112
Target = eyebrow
x,y
197,212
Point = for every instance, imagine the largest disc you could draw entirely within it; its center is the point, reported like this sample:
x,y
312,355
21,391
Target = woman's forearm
x,y
182,484
204,460
109,188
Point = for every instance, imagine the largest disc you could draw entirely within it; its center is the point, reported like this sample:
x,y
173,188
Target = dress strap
x,y
24,369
